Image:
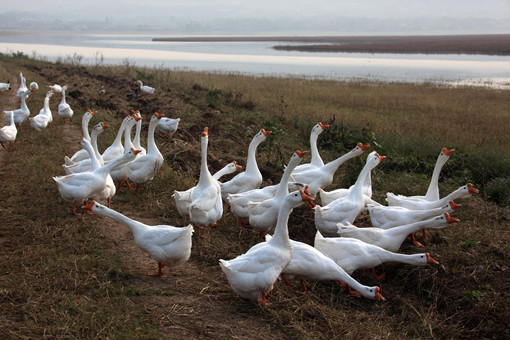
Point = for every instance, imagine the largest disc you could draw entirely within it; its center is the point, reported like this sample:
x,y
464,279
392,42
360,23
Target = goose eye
x,y
421,256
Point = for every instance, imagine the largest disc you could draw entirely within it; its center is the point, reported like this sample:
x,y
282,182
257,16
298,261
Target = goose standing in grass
x,y
120,173
253,274
81,154
307,263
116,149
316,161
8,133
323,176
206,206
345,209
352,254
264,215
183,198
143,169
251,178
22,113
462,192
391,239
433,189
64,109
79,187
4,87
138,131
170,246
168,126
22,86
144,88
44,117
86,164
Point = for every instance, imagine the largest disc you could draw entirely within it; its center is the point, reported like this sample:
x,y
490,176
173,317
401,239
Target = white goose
x,y
86,164
120,173
253,274
433,189
206,206
44,117
263,215
238,203
79,187
138,131
170,246
391,239
143,169
4,87
251,178
385,217
8,133
462,192
345,209
307,263
22,113
183,198
316,161
116,149
81,154
168,126
64,109
144,88
22,86
56,88
352,254
323,176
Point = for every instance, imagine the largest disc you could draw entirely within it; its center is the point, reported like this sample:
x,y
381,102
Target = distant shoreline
x,y
489,44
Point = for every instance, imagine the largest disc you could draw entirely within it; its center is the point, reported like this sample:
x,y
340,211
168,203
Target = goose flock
x,y
92,178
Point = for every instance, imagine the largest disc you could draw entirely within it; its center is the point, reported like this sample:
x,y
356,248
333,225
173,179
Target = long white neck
x,y
12,124
47,105
92,155
127,137
85,126
135,226
406,229
357,188
105,169
283,187
433,189
222,172
316,158
63,101
251,162
118,138
332,166
136,140
281,232
93,141
24,102
205,175
151,143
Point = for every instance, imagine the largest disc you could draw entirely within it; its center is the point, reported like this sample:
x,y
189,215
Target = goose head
x,y
471,189
317,129
447,152
34,86
93,207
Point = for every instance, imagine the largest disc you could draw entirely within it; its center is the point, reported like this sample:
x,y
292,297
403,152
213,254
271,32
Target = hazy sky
x,y
241,16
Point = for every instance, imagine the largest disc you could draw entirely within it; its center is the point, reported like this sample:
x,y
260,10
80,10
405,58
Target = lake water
x,y
258,58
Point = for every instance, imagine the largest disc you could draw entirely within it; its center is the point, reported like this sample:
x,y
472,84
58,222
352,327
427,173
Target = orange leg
x,y
377,276
286,279
424,233
263,300
413,240
161,265
137,187
74,209
303,286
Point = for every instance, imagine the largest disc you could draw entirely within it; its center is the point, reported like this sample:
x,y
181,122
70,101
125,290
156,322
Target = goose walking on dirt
x,y
21,114
8,133
22,86
4,87
168,126
170,246
253,274
64,109
44,117
144,88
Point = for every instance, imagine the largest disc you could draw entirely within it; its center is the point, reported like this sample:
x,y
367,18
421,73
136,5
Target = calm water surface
x,y
258,58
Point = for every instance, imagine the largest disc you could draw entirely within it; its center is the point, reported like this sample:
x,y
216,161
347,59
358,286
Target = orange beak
x,y
238,167
454,205
135,111
92,112
430,260
266,133
104,126
363,147
88,206
301,154
380,157
447,152
205,132
472,190
137,118
306,198
378,295
450,219
136,152
158,116
323,126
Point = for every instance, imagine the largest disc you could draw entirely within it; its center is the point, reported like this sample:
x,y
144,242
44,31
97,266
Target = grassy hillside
x,y
82,277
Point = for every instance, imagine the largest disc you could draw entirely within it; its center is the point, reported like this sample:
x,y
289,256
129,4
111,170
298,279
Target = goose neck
x,y
332,166
133,225
151,143
316,158
205,175
127,138
281,232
